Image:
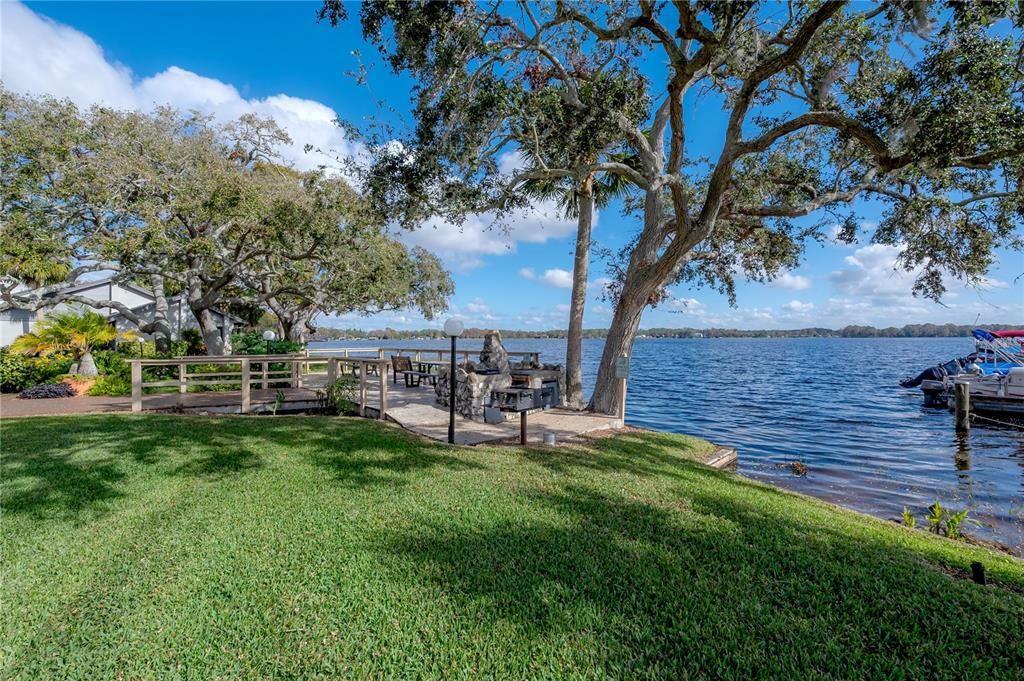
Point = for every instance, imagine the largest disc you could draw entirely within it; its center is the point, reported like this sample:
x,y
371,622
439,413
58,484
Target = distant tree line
x,y
850,331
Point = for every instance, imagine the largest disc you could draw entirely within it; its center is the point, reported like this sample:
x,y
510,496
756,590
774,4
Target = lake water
x,y
833,403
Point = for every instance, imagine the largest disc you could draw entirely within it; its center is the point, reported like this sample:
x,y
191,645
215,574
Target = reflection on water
x,y
832,403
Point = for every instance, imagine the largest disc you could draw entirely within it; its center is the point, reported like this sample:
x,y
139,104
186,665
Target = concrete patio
x,y
412,408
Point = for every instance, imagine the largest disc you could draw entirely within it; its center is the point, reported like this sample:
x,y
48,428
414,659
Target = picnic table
x,y
430,365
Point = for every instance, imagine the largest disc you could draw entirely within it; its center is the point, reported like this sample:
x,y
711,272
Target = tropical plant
x,y
77,334
908,517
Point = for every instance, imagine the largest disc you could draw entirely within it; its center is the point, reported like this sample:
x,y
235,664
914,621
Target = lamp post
x,y
452,328
269,336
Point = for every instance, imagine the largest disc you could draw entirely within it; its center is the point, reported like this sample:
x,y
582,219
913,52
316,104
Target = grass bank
x,y
159,546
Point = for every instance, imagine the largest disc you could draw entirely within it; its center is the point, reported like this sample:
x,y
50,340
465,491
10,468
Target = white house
x,y
16,321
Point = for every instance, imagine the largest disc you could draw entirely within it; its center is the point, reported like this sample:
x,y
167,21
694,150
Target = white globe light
x,y
453,327
269,335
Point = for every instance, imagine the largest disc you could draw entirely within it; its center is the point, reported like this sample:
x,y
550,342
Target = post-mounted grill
x,y
522,401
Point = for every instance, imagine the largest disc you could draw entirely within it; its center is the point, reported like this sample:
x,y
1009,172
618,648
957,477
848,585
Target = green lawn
x,y
291,547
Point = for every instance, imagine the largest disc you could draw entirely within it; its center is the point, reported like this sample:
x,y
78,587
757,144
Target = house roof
x,y
172,300
94,283
134,288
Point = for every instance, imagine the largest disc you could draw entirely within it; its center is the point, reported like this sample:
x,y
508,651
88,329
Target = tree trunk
x,y
641,283
211,334
288,327
621,334
580,273
293,322
160,324
87,365
299,324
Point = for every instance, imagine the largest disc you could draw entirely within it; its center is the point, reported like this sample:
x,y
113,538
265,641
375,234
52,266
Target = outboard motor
x,y
935,373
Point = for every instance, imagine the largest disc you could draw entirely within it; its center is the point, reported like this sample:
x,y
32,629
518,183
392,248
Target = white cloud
x,y
41,56
798,307
690,306
557,278
461,246
791,282
478,306
562,308
872,272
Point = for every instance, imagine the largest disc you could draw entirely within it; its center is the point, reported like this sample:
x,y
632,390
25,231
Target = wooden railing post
x,y
383,391
266,374
136,385
246,395
182,387
362,388
297,371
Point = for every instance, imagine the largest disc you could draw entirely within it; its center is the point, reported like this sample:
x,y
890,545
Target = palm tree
x,y
578,199
70,332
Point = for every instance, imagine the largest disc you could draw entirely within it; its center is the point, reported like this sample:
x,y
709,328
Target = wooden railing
x,y
417,354
363,368
255,370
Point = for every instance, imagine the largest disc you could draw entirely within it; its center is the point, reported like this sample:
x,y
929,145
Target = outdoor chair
x,y
403,365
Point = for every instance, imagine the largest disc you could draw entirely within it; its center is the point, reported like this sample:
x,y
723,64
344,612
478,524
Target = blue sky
x,y
273,58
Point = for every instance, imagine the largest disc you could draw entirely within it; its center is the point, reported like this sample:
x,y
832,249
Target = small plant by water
x,y
942,520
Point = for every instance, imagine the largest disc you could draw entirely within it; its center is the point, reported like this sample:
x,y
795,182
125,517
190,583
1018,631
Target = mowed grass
x,y
297,547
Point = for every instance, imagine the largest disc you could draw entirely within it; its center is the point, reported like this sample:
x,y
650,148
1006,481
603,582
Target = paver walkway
x,y
412,408
415,409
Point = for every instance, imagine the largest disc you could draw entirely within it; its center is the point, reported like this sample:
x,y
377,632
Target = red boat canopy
x,y
1009,333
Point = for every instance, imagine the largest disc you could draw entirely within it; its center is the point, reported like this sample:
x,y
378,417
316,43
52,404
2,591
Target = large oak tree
x,y
915,105
180,204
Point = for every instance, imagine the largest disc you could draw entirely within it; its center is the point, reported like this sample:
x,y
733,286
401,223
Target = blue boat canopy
x,y
982,334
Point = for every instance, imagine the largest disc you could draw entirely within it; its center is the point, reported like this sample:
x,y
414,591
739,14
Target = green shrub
x,y
110,363
18,372
193,340
252,343
113,385
14,372
339,397
147,350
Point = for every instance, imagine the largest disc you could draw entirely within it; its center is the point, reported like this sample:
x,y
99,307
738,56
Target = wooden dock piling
x,y
962,393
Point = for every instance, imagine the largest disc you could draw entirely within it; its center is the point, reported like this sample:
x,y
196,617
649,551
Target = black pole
x,y
451,398
268,347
